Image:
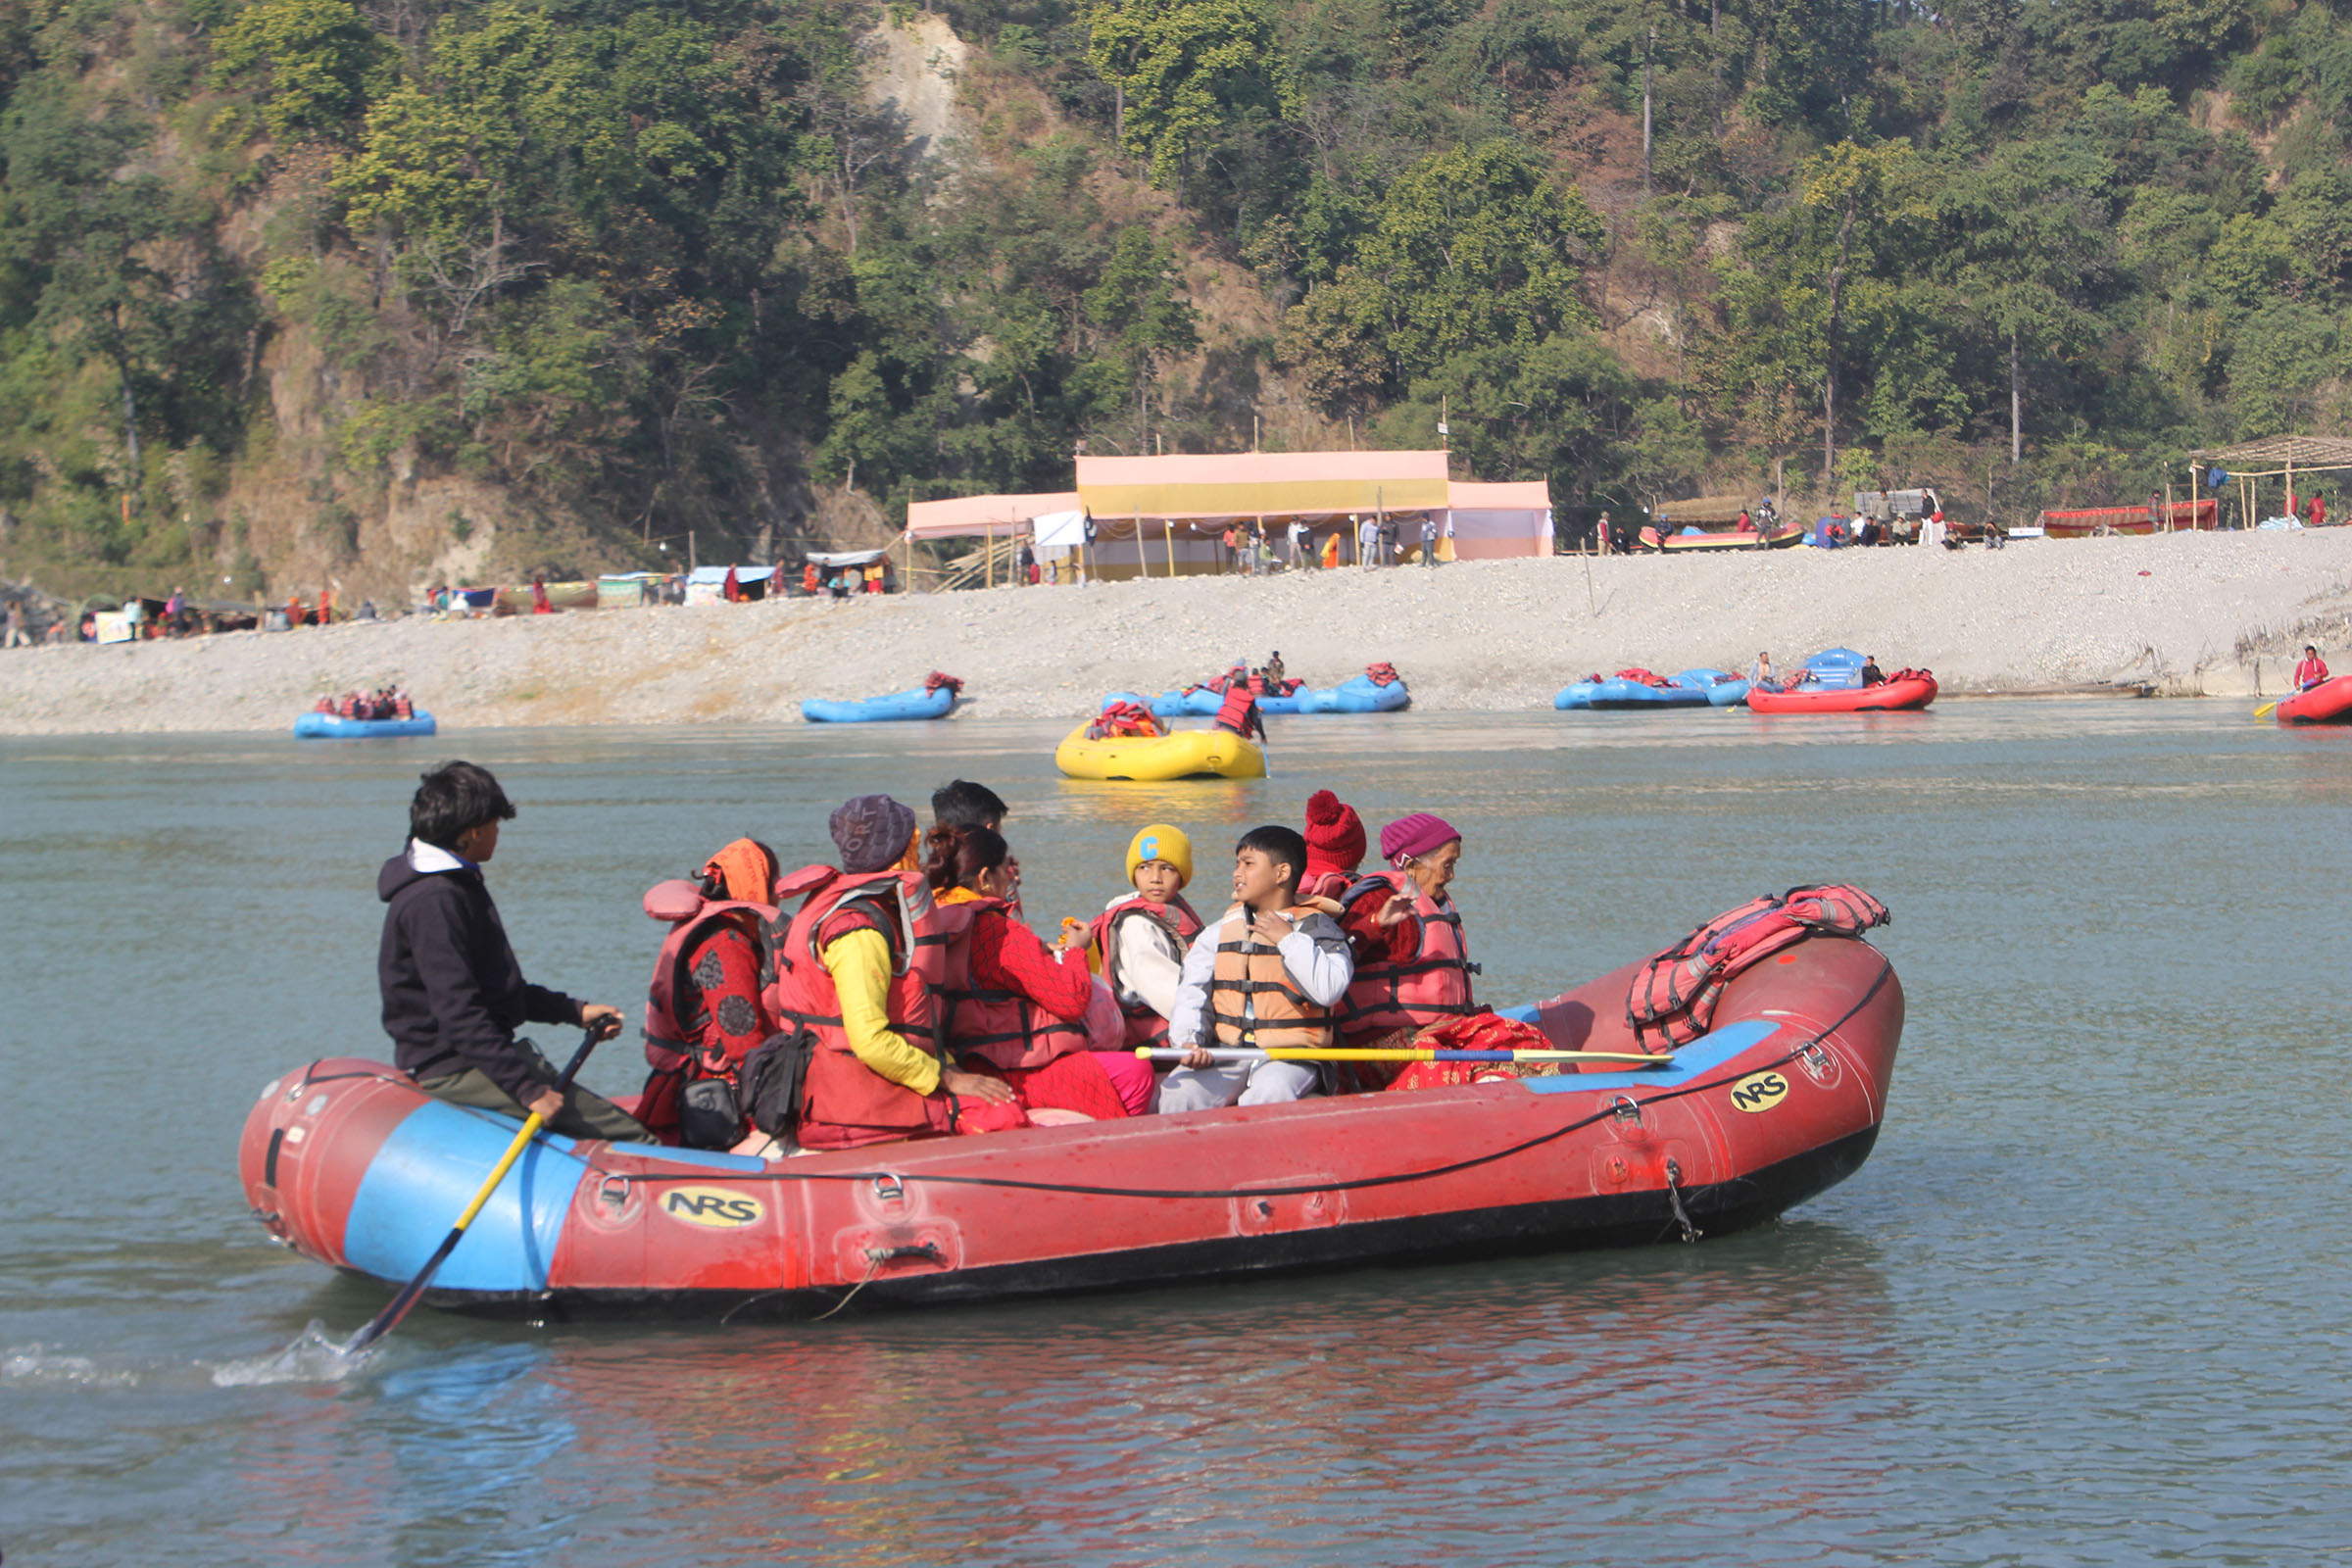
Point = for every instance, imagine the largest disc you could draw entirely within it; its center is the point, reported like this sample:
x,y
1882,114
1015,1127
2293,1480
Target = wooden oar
x,y
385,1321
1405,1054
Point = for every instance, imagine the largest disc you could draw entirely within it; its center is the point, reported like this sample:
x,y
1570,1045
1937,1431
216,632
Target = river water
x,y
2084,1304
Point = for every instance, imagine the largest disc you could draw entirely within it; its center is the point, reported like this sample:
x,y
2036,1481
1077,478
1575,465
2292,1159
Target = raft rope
x,y
1616,1108
1673,1191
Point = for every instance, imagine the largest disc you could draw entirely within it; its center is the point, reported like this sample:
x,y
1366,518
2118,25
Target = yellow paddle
x,y
2263,711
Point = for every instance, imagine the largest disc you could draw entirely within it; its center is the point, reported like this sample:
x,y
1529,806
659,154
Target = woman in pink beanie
x,y
1412,966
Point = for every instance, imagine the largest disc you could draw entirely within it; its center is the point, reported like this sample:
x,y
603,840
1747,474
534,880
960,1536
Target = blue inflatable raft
x,y
1361,694
1692,688
316,726
917,704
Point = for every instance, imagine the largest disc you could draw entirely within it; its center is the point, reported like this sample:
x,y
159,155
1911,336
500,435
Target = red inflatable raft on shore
x,y
350,1164
1902,692
2328,702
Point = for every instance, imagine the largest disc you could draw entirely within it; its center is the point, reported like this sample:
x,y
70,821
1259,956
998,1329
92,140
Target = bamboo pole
x,y
1168,530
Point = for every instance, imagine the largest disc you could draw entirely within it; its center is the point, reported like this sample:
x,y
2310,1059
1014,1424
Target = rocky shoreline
x,y
2219,614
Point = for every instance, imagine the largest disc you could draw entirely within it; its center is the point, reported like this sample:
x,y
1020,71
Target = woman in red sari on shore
x,y
1008,998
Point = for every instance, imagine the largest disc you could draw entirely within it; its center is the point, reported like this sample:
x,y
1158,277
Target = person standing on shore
x,y
2312,670
1429,539
1368,541
452,992
1302,555
16,625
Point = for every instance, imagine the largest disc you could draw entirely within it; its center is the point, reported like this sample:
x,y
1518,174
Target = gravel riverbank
x,y
2186,614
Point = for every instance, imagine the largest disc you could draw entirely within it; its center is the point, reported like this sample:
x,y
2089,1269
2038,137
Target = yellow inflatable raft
x,y
1186,753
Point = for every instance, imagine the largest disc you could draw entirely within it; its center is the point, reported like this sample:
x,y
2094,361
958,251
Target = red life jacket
x,y
1124,718
1003,1027
1383,674
669,1040
1430,987
844,1102
1672,999
1144,1026
1238,714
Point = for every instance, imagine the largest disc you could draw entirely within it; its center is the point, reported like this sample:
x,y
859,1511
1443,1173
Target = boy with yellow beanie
x,y
1141,935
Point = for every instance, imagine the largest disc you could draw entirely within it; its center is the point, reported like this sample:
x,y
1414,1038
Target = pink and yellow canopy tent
x,y
1162,516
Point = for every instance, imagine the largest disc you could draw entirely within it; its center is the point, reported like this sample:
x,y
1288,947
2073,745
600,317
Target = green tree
x,y
1184,67
1470,249
2028,238
1138,304
316,62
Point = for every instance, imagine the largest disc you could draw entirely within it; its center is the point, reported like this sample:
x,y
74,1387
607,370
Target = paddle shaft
x,y
1406,1053
385,1321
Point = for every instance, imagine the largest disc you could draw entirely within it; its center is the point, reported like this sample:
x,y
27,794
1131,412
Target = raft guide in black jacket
x,y
454,995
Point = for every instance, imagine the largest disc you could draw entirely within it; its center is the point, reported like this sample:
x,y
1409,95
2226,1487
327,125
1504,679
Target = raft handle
x,y
1626,1109
888,1190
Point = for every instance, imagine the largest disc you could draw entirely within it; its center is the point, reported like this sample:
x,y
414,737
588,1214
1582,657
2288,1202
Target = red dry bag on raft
x,y
1672,999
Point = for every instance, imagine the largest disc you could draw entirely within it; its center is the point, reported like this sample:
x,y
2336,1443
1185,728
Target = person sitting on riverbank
x,y
1011,1007
1335,846
1140,937
452,993
1267,976
2312,670
1760,675
705,1012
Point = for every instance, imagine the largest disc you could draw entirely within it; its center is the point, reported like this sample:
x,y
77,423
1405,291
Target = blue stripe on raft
x,y
701,1158
1696,1060
426,1173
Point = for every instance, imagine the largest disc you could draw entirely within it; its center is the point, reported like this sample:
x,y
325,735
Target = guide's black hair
x,y
964,804
454,798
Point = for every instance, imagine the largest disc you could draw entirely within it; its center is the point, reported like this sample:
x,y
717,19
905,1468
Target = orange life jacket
x,y
669,1043
1430,987
1144,1026
1003,1027
844,1102
1252,1001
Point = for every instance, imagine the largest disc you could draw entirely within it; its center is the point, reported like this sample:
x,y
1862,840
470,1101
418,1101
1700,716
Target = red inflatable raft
x,y
1907,690
349,1163
2328,702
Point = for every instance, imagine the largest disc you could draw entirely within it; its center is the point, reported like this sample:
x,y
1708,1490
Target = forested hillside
x,y
374,288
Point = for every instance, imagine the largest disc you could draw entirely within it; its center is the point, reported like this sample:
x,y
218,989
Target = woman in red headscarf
x,y
709,991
